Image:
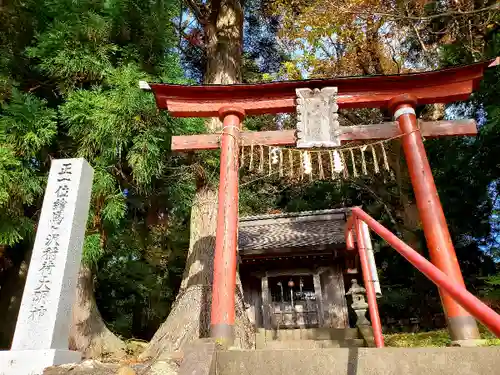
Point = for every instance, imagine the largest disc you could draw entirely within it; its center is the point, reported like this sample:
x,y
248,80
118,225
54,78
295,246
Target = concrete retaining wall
x,y
361,361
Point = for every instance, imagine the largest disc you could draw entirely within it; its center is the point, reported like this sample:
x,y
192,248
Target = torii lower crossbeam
x,y
386,130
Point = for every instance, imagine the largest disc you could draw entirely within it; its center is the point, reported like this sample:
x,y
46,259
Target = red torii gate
x,y
398,93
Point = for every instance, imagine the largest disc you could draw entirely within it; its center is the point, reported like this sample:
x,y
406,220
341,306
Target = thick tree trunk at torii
x,y
190,315
189,318
89,334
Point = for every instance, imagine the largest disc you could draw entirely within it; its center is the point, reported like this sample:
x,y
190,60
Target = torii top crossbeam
x,y
317,102
440,86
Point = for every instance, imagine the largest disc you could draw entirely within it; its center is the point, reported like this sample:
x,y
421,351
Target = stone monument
x,y
42,329
359,305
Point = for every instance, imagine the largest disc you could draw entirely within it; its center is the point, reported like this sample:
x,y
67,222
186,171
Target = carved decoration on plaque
x,y
318,124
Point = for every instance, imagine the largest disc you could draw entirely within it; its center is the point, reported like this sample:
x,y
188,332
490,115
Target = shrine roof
x,y
438,86
292,230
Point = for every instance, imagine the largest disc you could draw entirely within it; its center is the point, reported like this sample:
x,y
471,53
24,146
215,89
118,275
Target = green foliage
x,y
16,183
114,209
493,287
74,49
139,291
139,278
438,338
27,124
27,128
69,74
92,250
16,189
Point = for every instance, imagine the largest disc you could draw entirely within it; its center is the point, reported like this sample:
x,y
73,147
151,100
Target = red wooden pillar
x,y
461,324
224,283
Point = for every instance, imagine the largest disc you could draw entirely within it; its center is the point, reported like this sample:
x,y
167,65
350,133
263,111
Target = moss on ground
x,y
438,338
421,339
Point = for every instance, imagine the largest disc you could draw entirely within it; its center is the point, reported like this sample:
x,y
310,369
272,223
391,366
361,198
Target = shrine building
x,y
293,268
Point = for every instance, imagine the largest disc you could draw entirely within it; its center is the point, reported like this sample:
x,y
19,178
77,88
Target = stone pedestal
x,y
33,362
42,329
361,317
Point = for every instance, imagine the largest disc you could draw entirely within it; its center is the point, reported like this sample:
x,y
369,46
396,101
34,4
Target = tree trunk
x,y
408,211
11,294
223,36
189,318
89,334
371,63
190,315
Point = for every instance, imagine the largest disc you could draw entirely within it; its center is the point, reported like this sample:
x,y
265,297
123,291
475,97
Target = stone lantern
x,y
359,305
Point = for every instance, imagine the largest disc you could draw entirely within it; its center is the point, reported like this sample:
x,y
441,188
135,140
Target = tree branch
x,y
393,57
351,117
197,11
426,18
419,38
381,201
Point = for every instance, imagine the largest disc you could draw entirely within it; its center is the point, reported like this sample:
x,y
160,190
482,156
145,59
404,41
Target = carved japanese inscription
x,y
46,308
51,244
318,124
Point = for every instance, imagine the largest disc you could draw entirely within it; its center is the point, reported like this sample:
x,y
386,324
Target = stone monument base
x,y
33,362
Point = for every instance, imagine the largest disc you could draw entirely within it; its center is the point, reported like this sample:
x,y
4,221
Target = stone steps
x,y
360,361
306,338
314,344
308,334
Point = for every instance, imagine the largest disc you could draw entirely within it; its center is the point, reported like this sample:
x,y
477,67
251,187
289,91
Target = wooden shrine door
x,y
293,301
